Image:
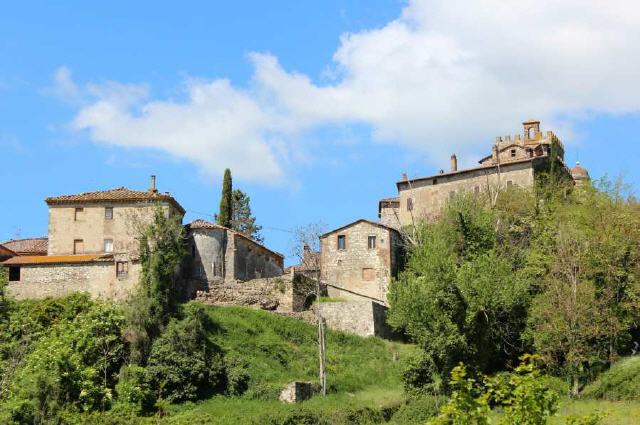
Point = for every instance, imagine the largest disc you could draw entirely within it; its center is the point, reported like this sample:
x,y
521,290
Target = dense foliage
x,y
184,364
553,270
155,302
242,220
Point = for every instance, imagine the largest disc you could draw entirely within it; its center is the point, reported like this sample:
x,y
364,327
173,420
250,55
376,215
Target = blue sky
x,y
317,107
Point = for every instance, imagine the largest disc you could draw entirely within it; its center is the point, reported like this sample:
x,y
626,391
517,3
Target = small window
x,y
409,204
78,214
108,245
530,152
371,242
513,153
78,246
108,213
368,274
14,274
122,269
435,181
342,242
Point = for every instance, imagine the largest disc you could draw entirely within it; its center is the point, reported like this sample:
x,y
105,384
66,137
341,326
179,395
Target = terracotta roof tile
x,y
56,259
203,224
121,194
31,246
6,252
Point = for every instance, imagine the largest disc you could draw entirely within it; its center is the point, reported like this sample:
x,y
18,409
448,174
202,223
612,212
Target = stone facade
x,y
423,199
88,223
361,266
98,278
364,318
513,162
218,254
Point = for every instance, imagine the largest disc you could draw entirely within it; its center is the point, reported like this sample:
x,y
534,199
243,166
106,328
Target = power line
x,y
264,227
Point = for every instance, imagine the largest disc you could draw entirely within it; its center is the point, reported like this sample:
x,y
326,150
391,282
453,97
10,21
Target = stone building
x,y
513,162
92,244
359,259
218,254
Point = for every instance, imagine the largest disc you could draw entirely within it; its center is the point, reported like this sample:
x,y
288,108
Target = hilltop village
x,y
92,243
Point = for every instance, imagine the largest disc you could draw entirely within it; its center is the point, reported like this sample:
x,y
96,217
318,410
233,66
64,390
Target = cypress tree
x,y
226,202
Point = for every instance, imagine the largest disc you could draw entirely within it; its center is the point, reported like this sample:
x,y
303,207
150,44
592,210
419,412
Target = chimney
x,y
454,163
152,186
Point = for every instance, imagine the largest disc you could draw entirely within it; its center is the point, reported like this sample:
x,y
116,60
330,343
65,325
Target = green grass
x,y
616,413
363,374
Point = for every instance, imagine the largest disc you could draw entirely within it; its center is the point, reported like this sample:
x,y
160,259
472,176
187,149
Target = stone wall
x,y
98,278
428,196
364,318
205,259
253,261
284,293
358,269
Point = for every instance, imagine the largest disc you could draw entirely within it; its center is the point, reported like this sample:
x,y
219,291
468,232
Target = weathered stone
x,y
268,304
364,318
363,268
296,392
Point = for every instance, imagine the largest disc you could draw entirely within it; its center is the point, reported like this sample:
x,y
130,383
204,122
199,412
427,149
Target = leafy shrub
x,y
73,367
133,391
418,410
237,374
183,363
525,397
620,382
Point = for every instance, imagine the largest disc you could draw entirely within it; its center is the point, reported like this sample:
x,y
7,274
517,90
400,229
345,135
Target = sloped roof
x,y
33,246
362,220
56,259
120,194
6,252
203,224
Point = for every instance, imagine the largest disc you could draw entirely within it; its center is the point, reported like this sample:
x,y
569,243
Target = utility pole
x,y
306,246
321,340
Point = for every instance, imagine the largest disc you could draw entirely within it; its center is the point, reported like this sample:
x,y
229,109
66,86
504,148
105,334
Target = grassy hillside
x,y
363,373
620,382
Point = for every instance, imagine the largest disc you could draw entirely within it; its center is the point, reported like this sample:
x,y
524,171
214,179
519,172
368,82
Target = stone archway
x,y
309,300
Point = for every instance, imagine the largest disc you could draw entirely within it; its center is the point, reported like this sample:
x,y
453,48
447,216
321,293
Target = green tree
x,y
150,308
459,297
184,364
585,258
241,218
225,214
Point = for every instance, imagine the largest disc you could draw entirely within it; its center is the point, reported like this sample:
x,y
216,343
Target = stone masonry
x,y
363,266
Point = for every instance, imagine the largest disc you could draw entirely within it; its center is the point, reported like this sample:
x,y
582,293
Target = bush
x,y
418,410
183,363
132,390
620,382
237,373
73,367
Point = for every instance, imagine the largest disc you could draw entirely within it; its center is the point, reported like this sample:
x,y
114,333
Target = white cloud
x,y
445,76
